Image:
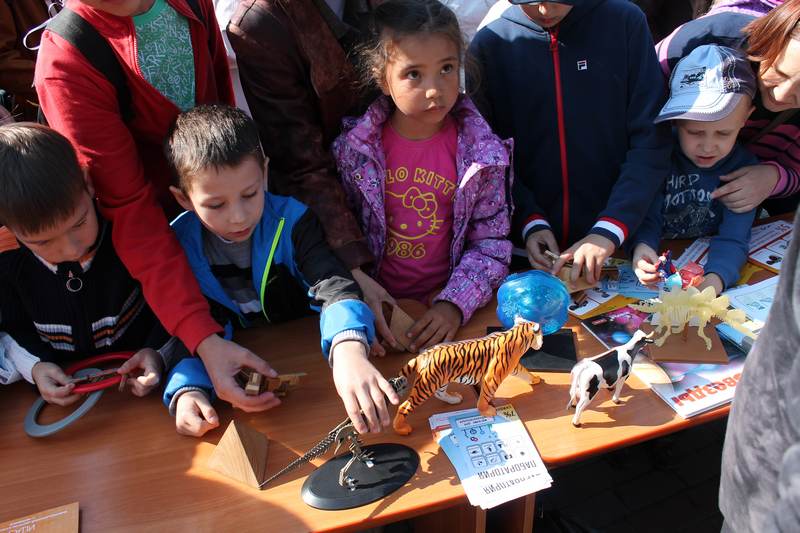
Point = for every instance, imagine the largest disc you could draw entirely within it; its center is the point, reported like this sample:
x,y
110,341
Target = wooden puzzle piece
x,y
399,325
282,384
564,274
279,385
241,454
255,384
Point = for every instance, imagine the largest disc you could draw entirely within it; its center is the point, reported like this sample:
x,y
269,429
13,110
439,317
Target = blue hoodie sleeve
x,y
188,373
729,247
342,316
649,145
650,230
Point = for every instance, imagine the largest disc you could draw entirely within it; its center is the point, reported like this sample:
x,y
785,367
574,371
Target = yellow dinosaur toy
x,y
678,307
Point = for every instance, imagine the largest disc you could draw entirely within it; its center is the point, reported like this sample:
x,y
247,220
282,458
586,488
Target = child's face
x,y
69,240
422,79
228,201
546,14
706,143
121,8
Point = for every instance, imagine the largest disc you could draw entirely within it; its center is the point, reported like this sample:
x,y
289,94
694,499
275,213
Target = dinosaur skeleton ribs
x,y
339,434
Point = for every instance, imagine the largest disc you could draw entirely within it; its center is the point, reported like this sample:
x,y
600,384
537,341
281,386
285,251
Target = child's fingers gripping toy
x,y
89,380
486,361
609,370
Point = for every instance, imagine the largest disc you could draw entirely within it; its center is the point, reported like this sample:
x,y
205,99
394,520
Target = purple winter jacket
x,y
480,252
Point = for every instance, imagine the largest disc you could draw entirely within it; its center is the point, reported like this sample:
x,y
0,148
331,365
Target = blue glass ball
x,y
533,295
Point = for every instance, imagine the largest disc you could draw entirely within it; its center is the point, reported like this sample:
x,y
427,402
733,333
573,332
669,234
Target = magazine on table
x,y
692,389
616,327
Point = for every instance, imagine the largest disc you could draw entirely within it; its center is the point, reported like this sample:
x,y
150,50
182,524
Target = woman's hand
x,y
746,187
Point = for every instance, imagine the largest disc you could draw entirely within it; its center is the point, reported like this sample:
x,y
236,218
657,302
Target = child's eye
x,y
249,194
413,75
214,206
448,68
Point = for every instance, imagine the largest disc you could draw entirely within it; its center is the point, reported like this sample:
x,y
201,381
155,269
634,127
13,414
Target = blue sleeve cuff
x,y
345,315
189,372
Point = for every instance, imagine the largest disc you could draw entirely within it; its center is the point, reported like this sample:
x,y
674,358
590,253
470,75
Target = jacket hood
x,y
579,10
364,133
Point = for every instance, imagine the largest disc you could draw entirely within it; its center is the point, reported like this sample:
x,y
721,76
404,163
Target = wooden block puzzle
x,y
399,324
241,454
280,385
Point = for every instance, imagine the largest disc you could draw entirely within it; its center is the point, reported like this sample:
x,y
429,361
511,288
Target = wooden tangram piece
x,y
564,274
579,284
62,519
241,454
399,324
689,348
283,383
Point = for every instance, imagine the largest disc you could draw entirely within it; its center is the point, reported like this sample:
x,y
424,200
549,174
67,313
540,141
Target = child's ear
x,y
381,79
266,172
181,198
88,181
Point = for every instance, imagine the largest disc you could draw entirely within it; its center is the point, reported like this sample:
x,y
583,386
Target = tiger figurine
x,y
487,360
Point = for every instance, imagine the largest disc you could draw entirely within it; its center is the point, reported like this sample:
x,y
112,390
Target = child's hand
x,y
224,360
534,245
439,324
53,384
142,371
194,415
645,264
361,387
374,296
588,254
712,280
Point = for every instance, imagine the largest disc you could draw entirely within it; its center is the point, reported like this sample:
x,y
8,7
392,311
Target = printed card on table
x,y
495,458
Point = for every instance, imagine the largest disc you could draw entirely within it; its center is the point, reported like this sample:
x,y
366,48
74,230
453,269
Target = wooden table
x,y
130,471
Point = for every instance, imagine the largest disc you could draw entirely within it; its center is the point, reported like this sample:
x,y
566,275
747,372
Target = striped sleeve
x,y
611,229
781,149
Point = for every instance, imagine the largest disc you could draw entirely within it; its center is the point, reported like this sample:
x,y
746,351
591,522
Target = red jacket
x,y
126,161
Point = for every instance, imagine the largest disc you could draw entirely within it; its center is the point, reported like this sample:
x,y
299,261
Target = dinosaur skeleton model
x,y
343,432
678,307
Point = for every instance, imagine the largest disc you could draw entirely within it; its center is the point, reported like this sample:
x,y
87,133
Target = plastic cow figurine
x,y
605,371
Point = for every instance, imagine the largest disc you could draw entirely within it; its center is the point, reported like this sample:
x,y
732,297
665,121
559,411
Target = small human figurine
x,y
605,371
487,360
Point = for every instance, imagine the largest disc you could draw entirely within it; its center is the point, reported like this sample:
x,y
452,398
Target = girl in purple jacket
x,y
426,176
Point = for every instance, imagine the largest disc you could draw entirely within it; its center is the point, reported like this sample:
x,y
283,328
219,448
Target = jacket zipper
x,y
562,139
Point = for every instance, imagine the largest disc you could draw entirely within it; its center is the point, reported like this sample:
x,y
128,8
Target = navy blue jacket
x,y
779,147
293,270
684,210
579,102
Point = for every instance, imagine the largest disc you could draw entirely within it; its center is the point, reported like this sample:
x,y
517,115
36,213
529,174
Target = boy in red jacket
x,y
172,58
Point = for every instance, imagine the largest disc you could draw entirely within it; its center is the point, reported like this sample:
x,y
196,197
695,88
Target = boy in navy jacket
x,y
261,258
576,83
711,97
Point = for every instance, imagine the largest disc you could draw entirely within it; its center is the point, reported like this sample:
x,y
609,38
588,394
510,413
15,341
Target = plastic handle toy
x,y
105,383
34,429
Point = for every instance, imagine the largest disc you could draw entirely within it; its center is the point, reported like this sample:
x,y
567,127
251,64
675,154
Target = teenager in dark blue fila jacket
x,y
577,85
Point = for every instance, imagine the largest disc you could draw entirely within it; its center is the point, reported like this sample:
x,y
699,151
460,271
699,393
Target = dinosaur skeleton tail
x,y
319,449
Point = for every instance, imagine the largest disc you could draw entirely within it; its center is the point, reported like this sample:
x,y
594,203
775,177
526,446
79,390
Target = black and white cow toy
x,y
605,371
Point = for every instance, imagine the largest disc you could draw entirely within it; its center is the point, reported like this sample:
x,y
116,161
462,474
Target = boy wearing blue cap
x,y
576,83
711,97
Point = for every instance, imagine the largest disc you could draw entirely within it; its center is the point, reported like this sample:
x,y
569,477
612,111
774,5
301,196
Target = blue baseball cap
x,y
708,84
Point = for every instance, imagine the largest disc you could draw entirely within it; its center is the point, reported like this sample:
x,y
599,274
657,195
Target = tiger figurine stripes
x,y
487,360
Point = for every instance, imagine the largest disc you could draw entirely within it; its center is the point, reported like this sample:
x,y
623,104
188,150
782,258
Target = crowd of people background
x,y
287,157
